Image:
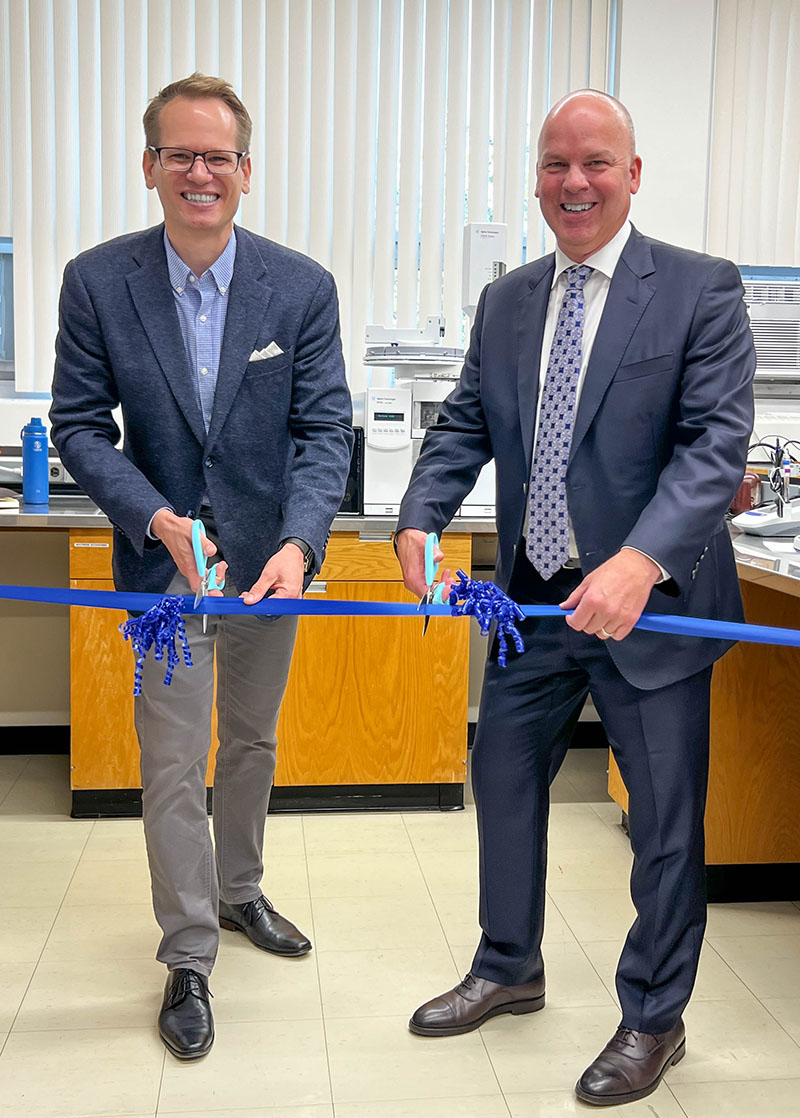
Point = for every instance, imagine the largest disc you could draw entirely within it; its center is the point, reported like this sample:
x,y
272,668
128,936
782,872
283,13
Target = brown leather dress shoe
x,y
631,1066
472,1002
264,927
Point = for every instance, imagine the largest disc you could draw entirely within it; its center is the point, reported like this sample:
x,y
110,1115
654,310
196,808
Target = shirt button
x,y
222,290
179,290
202,318
204,372
192,279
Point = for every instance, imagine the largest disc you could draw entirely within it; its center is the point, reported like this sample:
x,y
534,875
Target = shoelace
x,y
258,904
624,1038
189,982
468,981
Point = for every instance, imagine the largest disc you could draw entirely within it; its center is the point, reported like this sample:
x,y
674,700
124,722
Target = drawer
x,y
90,553
348,557
351,559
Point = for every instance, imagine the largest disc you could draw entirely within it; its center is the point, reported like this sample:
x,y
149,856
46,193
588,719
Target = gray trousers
x,y
173,725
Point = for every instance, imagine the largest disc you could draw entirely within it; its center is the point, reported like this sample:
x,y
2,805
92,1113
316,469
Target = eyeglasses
x,y
183,159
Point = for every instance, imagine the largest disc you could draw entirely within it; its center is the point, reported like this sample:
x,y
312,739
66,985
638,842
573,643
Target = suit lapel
x,y
628,297
247,304
532,310
154,300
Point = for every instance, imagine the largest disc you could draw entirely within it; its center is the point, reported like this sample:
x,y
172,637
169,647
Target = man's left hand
x,y
610,600
283,574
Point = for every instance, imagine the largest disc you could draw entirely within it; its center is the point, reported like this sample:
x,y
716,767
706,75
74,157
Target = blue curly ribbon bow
x,y
161,628
486,602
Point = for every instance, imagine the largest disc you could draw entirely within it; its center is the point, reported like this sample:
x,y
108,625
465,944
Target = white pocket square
x,y
271,350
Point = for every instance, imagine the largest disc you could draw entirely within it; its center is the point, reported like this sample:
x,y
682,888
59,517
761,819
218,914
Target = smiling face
x,y
197,204
586,173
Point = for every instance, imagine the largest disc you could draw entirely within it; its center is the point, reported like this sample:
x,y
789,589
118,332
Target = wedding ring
x,y
605,634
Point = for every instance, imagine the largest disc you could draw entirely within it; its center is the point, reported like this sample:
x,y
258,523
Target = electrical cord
x,y
778,452
774,446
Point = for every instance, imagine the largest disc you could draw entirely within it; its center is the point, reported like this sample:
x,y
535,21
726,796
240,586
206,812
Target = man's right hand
x,y
410,545
175,532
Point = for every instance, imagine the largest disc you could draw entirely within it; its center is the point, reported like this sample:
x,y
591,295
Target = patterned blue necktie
x,y
548,523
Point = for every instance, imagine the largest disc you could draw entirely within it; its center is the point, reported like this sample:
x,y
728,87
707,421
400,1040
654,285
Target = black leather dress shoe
x,y
264,927
631,1066
472,1002
185,1022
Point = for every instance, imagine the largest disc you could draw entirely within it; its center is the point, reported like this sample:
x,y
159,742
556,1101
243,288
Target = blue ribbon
x,y
160,625
116,599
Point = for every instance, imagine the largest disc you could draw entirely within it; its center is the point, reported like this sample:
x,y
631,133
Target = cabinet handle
x,y
374,537
317,587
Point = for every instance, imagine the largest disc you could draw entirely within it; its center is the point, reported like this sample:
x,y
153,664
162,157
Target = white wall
x,y
666,69
14,414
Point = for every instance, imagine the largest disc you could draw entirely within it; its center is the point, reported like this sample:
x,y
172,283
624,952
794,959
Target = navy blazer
x,y
659,444
276,457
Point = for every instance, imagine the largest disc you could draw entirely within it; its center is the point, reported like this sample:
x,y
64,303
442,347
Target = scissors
x,y
433,595
208,577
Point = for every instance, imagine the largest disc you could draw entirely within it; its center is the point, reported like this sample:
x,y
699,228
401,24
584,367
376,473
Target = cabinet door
x,y
370,701
104,750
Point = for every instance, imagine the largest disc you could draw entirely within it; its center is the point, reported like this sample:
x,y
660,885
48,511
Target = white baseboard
x,y
34,718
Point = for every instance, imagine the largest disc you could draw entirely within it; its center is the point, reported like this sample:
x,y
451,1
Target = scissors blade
x,y
201,592
424,602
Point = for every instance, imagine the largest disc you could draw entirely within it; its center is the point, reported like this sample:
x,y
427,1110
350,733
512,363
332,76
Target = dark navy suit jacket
x,y
659,443
275,459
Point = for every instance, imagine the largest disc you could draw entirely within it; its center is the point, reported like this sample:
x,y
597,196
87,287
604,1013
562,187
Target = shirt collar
x,y
605,260
221,270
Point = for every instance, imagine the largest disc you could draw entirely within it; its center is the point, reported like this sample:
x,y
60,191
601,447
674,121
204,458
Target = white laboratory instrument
x,y
767,521
485,258
424,372
387,449
396,418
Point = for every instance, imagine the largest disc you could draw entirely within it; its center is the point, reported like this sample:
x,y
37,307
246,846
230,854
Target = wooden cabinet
x,y
369,701
753,811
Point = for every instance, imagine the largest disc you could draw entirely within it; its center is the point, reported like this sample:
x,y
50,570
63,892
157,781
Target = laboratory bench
x,y
753,811
374,717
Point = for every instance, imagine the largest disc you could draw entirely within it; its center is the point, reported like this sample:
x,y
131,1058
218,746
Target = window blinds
x,y
381,126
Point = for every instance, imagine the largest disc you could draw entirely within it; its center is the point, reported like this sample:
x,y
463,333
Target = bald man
x,y
611,381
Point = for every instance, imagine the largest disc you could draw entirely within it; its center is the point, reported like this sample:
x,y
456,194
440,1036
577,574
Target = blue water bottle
x,y
35,465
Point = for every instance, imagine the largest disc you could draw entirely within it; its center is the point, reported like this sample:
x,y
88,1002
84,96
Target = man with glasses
x,y
223,351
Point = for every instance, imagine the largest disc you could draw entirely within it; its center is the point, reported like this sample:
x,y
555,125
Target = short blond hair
x,y
195,87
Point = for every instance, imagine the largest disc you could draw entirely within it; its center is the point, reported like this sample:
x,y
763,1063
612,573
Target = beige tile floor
x,y
390,902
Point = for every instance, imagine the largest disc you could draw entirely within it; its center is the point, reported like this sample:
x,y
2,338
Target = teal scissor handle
x,y
435,593
208,577
198,535
431,567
